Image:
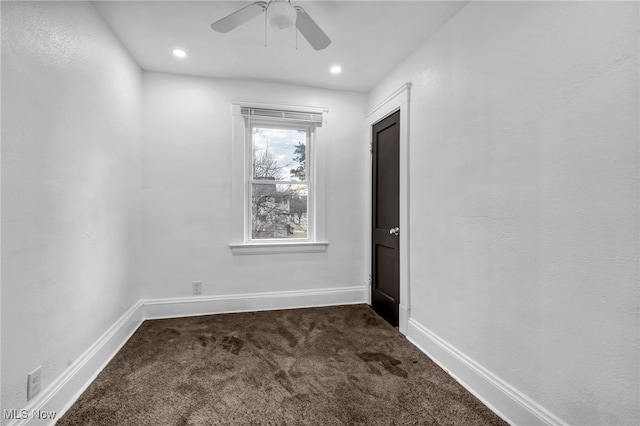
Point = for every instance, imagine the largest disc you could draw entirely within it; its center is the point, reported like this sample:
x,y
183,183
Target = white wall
x,y
71,146
187,191
524,198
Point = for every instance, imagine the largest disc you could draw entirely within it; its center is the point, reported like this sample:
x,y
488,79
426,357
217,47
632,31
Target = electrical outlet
x,y
197,287
33,383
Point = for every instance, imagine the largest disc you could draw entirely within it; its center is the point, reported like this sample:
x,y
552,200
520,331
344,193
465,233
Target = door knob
x,y
394,231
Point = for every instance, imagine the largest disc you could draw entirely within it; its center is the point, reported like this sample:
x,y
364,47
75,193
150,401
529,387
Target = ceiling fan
x,y
281,14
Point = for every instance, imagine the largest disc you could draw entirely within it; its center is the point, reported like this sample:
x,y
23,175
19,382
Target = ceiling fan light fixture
x,y
281,14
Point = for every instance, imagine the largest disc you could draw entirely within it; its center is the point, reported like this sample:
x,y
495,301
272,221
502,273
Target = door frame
x,y
399,100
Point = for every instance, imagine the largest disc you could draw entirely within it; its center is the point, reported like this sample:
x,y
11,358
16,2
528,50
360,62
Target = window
x,y
275,159
279,183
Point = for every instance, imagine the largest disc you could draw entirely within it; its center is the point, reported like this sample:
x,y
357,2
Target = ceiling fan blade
x,y
310,30
239,17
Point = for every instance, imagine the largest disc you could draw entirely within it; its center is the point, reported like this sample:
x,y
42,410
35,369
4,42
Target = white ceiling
x,y
369,38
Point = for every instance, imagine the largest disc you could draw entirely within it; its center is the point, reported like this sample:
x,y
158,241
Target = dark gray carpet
x,y
320,366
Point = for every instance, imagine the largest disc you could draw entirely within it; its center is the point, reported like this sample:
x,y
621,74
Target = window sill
x,y
279,248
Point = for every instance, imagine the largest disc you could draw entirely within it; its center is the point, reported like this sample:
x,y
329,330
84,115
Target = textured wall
x,y
187,184
524,198
71,150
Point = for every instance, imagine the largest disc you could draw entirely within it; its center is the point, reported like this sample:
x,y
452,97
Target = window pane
x,y
279,154
278,211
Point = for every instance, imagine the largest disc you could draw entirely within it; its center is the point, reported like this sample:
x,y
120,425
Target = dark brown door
x,y
385,250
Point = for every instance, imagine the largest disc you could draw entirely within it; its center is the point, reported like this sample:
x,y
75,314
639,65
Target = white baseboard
x,y
64,391
503,399
208,305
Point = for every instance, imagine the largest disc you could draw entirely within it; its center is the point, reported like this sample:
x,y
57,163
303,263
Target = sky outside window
x,y
279,154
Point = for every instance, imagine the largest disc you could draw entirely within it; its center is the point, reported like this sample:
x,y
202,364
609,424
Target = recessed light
x,y
179,53
336,69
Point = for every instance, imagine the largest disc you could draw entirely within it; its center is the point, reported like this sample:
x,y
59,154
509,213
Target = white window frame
x,y
309,175
241,227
